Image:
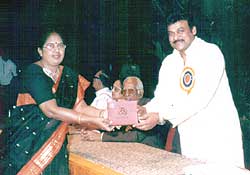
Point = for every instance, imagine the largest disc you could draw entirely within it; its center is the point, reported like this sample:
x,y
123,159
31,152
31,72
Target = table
x,y
115,158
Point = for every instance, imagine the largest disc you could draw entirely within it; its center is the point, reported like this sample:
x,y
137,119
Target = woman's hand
x,y
103,113
97,123
93,135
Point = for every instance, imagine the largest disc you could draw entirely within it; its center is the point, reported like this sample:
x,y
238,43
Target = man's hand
x,y
141,111
93,135
147,121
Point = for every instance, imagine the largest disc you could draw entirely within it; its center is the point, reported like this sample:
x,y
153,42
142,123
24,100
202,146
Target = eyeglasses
x,y
52,46
116,89
129,92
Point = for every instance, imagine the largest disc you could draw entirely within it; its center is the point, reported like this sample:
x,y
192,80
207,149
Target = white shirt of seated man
x,y
103,93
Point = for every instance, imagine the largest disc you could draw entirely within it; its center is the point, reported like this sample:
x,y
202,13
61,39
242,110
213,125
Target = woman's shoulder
x,y
71,72
68,70
33,66
32,69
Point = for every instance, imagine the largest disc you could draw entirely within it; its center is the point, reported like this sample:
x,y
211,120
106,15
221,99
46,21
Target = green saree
x,y
28,128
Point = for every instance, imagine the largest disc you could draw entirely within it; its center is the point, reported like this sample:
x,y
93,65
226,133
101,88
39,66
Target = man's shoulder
x,y
169,58
208,45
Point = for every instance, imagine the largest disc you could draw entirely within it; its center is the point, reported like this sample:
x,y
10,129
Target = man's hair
x,y
139,84
174,17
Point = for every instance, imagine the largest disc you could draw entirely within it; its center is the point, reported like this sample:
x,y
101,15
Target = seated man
x,y
156,137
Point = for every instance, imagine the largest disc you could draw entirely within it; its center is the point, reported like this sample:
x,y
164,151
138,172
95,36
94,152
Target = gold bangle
x,y
79,119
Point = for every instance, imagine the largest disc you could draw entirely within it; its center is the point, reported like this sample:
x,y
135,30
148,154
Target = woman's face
x,y
53,50
97,84
117,90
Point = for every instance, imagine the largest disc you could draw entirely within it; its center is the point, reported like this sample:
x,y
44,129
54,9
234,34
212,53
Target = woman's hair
x,y
44,35
105,79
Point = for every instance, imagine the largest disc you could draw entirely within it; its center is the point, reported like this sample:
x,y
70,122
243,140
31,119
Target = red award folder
x,y
122,112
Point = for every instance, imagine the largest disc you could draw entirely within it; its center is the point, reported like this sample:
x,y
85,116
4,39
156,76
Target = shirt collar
x,y
190,48
101,91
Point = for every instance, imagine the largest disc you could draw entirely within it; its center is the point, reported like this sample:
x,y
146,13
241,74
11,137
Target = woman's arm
x,y
52,110
91,111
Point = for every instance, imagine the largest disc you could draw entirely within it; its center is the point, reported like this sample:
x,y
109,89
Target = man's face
x,y
180,35
130,92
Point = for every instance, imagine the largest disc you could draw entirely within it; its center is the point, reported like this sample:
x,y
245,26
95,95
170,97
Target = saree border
x,y
45,155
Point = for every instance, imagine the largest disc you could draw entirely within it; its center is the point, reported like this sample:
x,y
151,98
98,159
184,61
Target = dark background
x,y
107,32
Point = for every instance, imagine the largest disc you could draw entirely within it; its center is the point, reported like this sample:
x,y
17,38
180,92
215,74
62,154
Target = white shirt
x,y
7,71
203,110
103,96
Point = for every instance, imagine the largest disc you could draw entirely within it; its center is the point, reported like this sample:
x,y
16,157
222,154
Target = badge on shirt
x,y
187,79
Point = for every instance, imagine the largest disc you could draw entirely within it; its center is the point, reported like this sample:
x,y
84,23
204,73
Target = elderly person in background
x,y
50,98
156,137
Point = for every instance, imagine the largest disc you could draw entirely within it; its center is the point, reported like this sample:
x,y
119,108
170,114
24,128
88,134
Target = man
x,y
101,83
7,90
156,137
7,69
193,93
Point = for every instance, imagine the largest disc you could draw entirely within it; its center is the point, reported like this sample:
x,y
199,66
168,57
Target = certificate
x,y
122,112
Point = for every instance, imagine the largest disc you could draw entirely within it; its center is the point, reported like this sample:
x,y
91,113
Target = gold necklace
x,y
49,73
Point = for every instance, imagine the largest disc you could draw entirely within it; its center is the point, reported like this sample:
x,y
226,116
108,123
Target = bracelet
x,y
79,119
101,114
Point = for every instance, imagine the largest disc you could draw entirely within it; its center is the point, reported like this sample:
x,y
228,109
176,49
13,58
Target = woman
x,y
101,84
50,99
117,90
